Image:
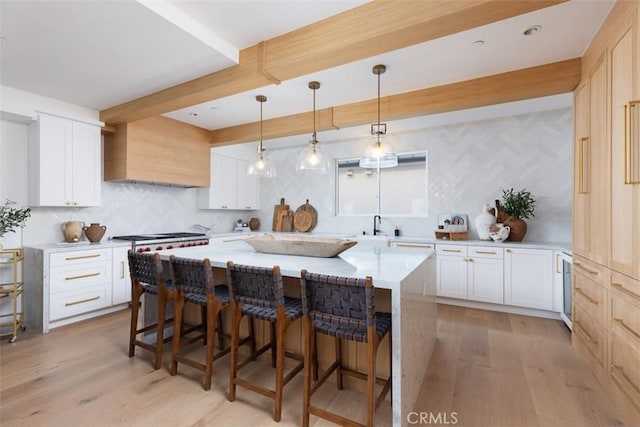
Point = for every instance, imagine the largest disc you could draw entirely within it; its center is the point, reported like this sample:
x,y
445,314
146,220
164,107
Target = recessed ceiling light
x,y
532,30
213,107
478,43
193,114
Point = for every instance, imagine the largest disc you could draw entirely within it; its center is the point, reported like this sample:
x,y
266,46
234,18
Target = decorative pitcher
x,y
72,231
95,232
484,221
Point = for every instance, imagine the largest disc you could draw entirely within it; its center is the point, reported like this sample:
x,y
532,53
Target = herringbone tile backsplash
x,y
469,165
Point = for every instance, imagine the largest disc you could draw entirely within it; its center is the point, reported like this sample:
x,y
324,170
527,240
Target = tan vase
x,y
94,232
254,224
72,231
518,228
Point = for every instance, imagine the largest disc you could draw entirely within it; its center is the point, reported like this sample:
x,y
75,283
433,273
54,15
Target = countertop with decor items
x,y
562,246
409,277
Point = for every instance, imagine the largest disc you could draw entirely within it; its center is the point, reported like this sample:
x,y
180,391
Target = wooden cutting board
x,y
287,221
305,218
276,214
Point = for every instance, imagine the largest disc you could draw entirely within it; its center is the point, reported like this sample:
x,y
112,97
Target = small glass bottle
x,y
397,231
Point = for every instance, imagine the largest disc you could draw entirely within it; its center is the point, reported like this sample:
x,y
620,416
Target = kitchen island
x,y
409,277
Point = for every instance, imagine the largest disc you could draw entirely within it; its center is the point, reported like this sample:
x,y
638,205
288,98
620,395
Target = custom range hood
x,y
158,150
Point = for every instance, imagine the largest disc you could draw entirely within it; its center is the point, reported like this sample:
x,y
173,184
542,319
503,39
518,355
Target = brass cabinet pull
x,y
67,304
625,290
414,245
583,165
71,258
465,259
558,264
470,259
584,294
627,328
122,269
508,251
451,250
586,334
631,136
81,276
486,252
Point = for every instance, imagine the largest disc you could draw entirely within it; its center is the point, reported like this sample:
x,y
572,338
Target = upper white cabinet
x,y
230,187
64,163
528,278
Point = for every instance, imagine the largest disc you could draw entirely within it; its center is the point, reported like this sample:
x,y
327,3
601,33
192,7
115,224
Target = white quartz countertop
x,y
387,266
564,246
80,246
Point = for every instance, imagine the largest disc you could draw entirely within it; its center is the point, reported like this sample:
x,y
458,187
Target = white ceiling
x,y
101,53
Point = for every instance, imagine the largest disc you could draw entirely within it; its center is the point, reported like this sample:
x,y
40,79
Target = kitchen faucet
x,y
376,230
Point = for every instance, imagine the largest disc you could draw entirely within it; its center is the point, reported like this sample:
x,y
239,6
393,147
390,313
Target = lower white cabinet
x,y
528,278
121,285
470,272
79,282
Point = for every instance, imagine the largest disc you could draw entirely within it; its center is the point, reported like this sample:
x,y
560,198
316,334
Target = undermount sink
x,y
372,240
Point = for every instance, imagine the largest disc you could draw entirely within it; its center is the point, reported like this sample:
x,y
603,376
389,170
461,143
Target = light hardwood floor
x,y
490,369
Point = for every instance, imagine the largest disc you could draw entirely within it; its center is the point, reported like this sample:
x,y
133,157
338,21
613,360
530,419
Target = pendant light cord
x,y
378,132
314,116
261,102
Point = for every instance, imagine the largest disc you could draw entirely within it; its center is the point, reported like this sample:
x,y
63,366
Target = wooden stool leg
x,y
371,381
178,307
162,309
236,315
274,345
204,323
220,331
281,331
338,347
314,339
211,330
135,309
252,334
309,333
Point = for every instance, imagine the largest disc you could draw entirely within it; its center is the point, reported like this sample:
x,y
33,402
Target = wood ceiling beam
x,y
544,80
368,30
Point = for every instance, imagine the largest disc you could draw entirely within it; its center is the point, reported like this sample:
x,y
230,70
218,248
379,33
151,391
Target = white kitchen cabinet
x,y
485,274
230,187
528,278
451,271
473,273
64,163
121,285
79,282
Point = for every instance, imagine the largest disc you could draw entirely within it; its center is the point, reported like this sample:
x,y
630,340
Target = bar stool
x,y
345,309
258,292
147,278
193,282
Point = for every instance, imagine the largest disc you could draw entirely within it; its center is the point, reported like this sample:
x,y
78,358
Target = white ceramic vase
x,y
484,221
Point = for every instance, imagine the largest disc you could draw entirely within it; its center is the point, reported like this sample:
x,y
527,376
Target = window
x,y
401,191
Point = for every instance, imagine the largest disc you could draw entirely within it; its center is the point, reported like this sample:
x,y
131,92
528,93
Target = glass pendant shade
x,y
262,166
379,154
313,159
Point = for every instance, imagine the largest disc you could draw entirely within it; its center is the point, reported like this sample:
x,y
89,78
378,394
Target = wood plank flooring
x,y
489,368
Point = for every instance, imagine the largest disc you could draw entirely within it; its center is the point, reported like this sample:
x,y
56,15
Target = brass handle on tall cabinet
x,y
621,287
583,164
122,269
632,142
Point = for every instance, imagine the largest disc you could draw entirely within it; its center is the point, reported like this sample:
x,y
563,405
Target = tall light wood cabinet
x,y
625,148
606,229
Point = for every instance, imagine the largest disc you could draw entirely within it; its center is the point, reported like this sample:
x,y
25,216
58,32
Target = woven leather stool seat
x,y
343,308
147,278
258,293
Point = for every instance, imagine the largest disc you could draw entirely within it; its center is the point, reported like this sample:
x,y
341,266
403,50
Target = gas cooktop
x,y
159,236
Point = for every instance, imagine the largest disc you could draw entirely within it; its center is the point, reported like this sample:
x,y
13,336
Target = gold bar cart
x,y
13,289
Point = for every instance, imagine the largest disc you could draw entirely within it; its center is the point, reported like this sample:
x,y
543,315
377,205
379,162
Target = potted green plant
x,y
12,218
518,206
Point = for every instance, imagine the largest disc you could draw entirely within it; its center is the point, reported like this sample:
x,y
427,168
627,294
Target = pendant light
x,y
380,154
313,159
262,166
